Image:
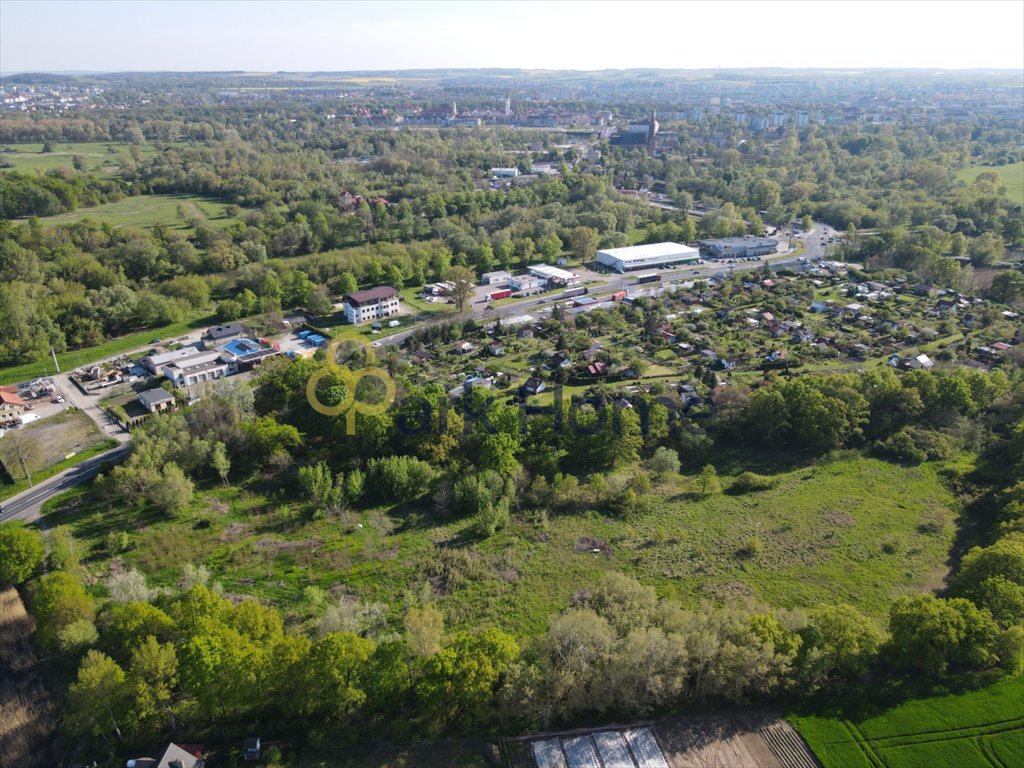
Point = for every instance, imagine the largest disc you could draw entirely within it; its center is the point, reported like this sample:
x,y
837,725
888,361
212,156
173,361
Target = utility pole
x,y
55,365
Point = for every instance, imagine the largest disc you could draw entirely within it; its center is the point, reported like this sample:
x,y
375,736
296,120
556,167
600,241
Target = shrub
x,y
400,478
749,482
751,549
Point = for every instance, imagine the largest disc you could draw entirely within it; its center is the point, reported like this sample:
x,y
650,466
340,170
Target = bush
x,y
749,482
400,478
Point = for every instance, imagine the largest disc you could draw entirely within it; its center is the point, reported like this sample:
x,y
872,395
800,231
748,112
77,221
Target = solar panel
x,y
645,749
548,754
580,752
613,750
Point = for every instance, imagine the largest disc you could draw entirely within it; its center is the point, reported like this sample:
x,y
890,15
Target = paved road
x,y
26,505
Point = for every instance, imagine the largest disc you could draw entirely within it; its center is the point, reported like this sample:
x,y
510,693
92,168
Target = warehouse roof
x,y
650,251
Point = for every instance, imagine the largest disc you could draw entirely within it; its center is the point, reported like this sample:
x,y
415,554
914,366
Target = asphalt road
x,y
26,505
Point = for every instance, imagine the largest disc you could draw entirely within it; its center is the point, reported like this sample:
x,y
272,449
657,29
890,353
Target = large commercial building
x,y
362,306
647,256
554,277
738,247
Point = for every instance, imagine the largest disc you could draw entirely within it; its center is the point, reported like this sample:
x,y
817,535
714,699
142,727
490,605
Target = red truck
x,y
502,294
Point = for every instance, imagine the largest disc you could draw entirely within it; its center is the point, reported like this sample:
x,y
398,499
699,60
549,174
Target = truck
x,y
502,294
648,277
574,292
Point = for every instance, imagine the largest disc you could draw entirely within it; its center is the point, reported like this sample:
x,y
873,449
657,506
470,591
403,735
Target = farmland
x,y
829,533
983,727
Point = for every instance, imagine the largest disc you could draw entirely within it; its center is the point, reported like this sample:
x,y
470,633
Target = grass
x,y
982,727
148,210
102,157
50,441
73,359
1010,176
830,532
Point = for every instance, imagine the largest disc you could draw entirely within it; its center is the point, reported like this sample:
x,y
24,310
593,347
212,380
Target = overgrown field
x,y
1011,176
983,728
853,530
147,210
28,714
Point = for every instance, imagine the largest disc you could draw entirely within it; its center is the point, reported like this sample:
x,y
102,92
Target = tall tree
x,y
463,283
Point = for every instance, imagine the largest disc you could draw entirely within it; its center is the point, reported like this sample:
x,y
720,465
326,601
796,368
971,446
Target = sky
x,y
304,36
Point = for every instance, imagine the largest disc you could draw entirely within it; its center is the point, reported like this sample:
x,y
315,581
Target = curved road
x,y
26,505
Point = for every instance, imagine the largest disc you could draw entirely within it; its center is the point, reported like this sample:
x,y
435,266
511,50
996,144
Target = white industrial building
x,y
554,277
526,284
647,256
373,304
495,278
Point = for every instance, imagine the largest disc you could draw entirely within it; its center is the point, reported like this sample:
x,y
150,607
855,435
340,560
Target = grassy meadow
x,y
982,727
102,157
1011,177
144,211
828,532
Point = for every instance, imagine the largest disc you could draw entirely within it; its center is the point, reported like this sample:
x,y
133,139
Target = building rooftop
x,y
223,331
152,397
370,296
546,270
649,251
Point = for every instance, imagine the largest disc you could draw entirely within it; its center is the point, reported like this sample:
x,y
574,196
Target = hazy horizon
x,y
105,37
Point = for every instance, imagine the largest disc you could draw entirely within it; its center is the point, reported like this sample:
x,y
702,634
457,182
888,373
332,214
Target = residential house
x,y
222,334
11,406
598,368
462,348
559,360
534,386
156,400
496,349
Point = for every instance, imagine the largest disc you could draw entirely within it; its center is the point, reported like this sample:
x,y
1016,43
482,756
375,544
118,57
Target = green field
x,y
73,359
147,210
102,157
831,532
1011,176
983,727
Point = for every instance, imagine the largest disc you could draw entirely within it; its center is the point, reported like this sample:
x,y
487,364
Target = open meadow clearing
x,y
832,532
101,157
1011,177
148,210
982,727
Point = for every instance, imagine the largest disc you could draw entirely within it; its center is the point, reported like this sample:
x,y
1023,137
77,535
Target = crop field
x,y
102,158
147,210
1011,177
983,728
830,532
